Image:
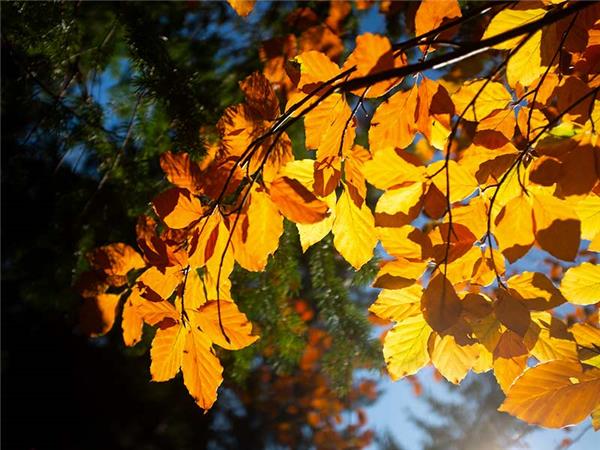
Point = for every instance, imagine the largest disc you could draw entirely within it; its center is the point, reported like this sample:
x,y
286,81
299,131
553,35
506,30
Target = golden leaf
x,y
554,394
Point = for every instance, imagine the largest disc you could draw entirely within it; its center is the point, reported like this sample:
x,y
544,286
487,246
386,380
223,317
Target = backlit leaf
x,y
554,394
353,231
405,347
581,284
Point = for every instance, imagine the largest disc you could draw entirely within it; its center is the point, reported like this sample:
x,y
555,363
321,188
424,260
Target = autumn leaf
x,y
236,326
201,369
554,394
296,202
581,284
405,347
353,231
440,305
242,7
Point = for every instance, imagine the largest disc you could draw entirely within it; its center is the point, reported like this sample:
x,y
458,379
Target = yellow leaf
x,y
486,267
353,170
115,260
473,216
236,325
440,305
516,215
260,95
487,330
397,304
595,244
462,183
153,313
581,284
553,218
485,361
510,359
554,394
238,127
552,339
318,120
506,20
536,290
201,368
492,97
392,168
405,347
222,260
315,68
353,231
588,211
452,359
406,241
596,418
400,200
525,66
312,233
588,340
167,352
399,273
159,283
206,233
507,369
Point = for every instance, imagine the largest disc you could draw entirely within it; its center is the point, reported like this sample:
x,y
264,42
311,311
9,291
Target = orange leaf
x,y
260,96
201,368
167,352
393,124
97,314
132,322
242,7
554,394
432,13
237,327
296,202
181,171
178,208
373,53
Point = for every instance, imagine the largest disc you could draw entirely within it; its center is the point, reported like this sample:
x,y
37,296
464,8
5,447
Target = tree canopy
x,y
297,166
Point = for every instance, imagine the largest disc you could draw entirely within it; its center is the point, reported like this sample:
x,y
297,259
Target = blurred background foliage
x,y
92,94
